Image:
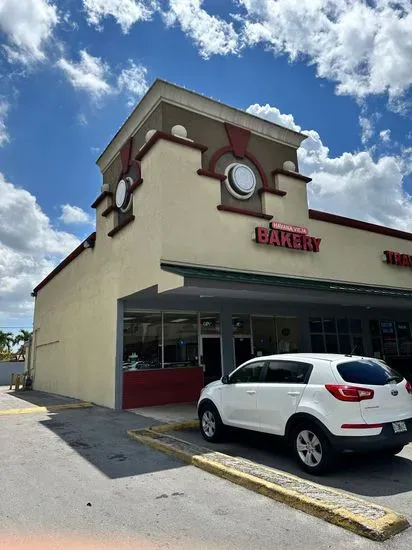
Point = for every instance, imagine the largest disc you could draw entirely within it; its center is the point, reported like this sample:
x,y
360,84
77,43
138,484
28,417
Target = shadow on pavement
x,y
97,434
36,398
363,475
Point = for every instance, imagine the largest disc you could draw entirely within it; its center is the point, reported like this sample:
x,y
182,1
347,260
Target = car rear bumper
x,y
386,439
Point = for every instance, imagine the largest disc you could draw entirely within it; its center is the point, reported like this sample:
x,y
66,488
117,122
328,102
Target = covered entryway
x,y
177,340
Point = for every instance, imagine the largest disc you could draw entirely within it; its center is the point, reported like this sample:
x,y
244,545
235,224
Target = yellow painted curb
x,y
176,426
49,408
388,524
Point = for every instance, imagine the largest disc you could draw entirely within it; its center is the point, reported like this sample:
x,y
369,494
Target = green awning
x,y
226,276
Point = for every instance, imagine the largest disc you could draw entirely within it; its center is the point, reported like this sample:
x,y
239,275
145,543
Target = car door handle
x,y
294,393
251,392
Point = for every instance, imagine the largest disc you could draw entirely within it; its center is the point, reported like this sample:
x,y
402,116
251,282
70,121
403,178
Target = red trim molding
x,y
89,242
109,210
277,192
216,156
121,225
101,198
168,137
125,155
135,185
229,149
244,212
357,224
209,174
290,174
238,139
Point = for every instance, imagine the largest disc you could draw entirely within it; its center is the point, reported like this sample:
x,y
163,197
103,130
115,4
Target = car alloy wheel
x,y
209,423
309,448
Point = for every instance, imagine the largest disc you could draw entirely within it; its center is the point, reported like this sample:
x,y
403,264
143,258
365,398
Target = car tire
x,y
211,425
392,451
312,449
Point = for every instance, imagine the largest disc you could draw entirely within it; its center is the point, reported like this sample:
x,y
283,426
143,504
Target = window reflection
x,y
180,340
142,341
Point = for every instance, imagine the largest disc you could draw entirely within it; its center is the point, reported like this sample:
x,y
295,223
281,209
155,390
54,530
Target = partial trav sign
x,y
396,258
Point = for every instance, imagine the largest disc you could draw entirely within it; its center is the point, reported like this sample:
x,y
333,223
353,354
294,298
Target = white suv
x,y
322,403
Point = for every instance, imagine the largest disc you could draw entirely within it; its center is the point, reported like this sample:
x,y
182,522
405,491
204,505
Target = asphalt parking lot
x,y
74,477
387,482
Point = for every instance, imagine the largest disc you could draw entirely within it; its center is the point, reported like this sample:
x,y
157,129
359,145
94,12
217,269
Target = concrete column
x,y
226,328
366,337
305,343
118,388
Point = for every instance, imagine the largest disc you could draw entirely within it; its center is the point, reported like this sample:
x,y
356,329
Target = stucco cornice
x,y
162,91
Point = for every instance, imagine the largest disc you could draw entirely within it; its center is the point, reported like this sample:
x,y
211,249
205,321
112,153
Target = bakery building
x,y
205,255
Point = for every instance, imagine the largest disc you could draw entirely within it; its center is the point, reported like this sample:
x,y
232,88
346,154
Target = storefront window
x,y
391,338
264,336
287,330
180,340
210,323
332,335
241,324
142,341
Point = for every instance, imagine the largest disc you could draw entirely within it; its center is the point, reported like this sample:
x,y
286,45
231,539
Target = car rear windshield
x,y
367,371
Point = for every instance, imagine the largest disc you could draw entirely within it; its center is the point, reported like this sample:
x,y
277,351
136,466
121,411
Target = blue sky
x,y
71,70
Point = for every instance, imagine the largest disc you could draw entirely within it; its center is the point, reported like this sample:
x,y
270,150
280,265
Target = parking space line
x,y
343,509
47,408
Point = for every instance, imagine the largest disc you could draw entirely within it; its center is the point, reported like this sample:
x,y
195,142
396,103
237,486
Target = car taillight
x,y
408,387
350,393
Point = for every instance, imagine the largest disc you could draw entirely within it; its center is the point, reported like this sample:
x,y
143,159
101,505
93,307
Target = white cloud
x,y
81,119
211,34
4,136
366,125
132,81
90,74
125,12
74,215
28,26
29,249
365,47
94,76
385,135
352,184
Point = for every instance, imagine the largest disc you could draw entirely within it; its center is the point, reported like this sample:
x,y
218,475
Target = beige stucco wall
x,y
194,231
76,312
176,220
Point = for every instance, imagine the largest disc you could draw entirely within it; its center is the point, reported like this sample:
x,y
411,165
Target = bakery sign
x,y
287,236
396,258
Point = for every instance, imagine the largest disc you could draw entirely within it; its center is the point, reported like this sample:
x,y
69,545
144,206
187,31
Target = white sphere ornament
x,y
149,135
179,131
289,165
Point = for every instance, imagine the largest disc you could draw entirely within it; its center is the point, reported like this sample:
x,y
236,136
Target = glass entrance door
x,y
211,358
243,349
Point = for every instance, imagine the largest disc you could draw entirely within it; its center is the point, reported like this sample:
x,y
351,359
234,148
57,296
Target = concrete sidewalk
x,y
179,412
13,400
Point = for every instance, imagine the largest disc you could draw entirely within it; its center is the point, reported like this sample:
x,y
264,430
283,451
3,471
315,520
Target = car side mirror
x,y
225,379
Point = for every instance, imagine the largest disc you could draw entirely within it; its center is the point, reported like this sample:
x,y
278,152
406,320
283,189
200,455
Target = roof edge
x,y
358,224
161,90
89,242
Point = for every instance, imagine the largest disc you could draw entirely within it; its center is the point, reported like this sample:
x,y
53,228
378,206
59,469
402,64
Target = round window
x,y
123,196
240,180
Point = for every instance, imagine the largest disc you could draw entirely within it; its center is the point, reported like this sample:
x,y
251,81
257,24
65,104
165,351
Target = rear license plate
x,y
399,427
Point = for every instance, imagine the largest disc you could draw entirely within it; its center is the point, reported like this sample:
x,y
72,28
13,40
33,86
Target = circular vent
x,y
240,180
123,198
